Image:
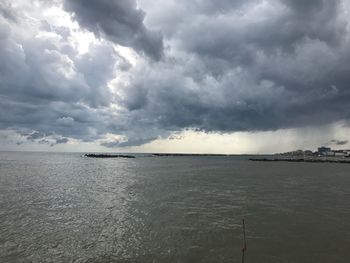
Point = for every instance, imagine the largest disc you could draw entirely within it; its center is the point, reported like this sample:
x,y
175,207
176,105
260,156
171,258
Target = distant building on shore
x,y
340,153
322,151
308,153
325,151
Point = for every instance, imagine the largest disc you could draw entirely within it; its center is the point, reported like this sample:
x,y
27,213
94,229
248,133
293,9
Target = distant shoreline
x,y
301,160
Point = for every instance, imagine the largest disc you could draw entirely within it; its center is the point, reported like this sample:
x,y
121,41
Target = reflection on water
x,y
65,208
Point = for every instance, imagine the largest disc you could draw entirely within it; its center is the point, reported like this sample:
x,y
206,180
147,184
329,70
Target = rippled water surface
x,y
66,208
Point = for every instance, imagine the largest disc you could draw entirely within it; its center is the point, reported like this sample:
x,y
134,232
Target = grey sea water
x,y
65,208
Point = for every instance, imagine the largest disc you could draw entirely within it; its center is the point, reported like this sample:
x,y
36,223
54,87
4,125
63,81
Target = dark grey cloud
x,y
227,66
50,139
48,87
119,20
340,142
278,66
44,141
34,136
209,7
130,143
235,38
42,70
307,7
62,140
7,12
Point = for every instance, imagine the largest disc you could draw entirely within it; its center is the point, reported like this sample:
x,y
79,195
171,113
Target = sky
x,y
201,76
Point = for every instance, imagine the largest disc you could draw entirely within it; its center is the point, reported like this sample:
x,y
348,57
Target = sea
x,y
64,207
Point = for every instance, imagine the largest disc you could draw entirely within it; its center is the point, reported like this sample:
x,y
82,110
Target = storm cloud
x,y
214,66
121,21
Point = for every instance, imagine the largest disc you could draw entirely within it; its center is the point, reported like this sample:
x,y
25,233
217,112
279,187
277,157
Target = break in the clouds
x,y
123,73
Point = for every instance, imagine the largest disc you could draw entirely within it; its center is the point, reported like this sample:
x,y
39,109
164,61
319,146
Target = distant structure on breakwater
x,y
321,152
322,155
303,160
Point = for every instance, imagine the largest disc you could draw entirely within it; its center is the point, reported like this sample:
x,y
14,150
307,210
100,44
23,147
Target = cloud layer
x,y
151,68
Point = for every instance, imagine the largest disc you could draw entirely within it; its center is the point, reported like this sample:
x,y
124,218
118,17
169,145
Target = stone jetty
x,y
103,155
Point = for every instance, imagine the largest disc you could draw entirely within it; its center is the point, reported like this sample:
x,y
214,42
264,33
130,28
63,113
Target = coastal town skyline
x,y
322,151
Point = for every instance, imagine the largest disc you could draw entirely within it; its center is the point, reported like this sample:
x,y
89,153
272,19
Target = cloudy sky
x,y
215,76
